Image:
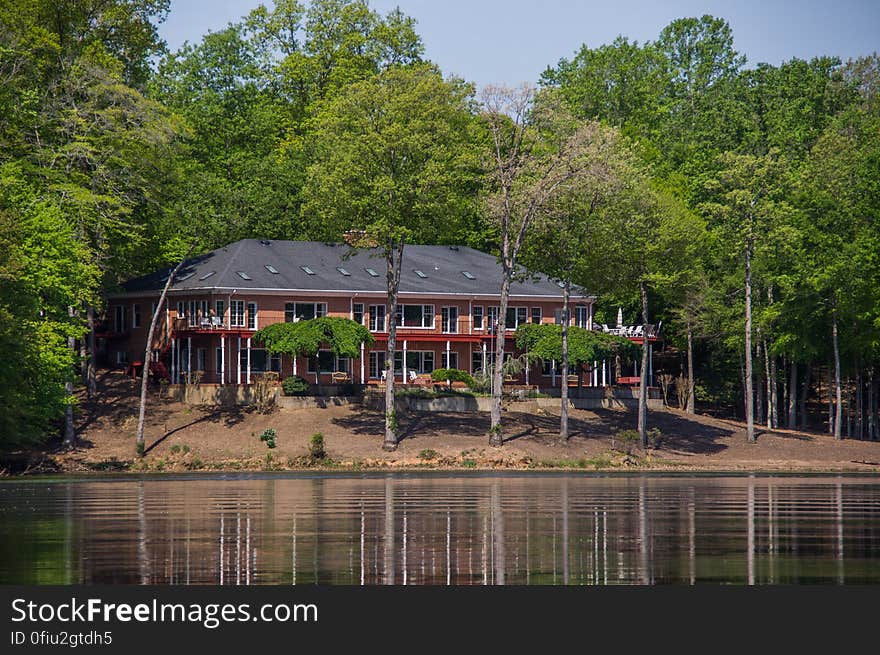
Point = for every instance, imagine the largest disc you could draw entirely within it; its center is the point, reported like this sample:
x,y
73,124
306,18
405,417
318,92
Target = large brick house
x,y
448,305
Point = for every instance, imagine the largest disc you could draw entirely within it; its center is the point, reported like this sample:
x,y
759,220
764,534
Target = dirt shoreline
x,y
181,438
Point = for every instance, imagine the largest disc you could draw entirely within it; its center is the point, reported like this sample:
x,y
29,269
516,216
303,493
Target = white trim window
x,y
303,311
252,316
420,361
377,318
377,364
415,316
477,316
582,316
325,362
536,315
236,313
492,318
220,310
121,319
135,315
357,313
449,319
515,317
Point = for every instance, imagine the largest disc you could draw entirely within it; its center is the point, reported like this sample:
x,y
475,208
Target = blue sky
x,y
511,41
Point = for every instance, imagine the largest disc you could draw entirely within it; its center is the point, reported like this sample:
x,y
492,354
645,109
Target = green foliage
x,y
343,337
269,435
293,385
544,341
316,446
625,440
428,454
452,375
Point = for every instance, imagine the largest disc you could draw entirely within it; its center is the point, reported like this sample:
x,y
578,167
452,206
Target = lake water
x,y
441,529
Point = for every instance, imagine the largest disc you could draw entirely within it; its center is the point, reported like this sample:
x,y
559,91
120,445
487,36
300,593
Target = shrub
x,y
428,454
175,449
655,437
469,463
269,437
452,375
481,382
316,446
626,440
294,385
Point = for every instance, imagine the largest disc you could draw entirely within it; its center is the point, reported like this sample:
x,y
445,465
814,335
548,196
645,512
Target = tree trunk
x,y
860,423
773,401
91,380
792,396
872,406
759,395
643,380
749,405
690,357
69,440
805,393
83,358
830,399
837,388
139,436
393,261
563,411
496,438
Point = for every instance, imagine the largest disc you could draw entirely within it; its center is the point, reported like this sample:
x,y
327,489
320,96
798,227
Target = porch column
x,y
484,358
448,347
528,366
362,364
595,376
604,379
635,369
173,363
189,342
248,346
553,370
294,364
238,362
403,365
222,359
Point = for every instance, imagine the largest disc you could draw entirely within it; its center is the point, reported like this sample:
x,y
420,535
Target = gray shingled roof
x,y
442,266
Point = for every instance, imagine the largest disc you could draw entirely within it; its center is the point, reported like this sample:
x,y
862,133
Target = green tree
x,y
393,164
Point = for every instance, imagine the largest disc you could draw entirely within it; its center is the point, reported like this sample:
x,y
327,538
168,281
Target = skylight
x,y
271,269
420,273
307,270
206,276
372,272
560,284
469,275
342,270
185,276
243,275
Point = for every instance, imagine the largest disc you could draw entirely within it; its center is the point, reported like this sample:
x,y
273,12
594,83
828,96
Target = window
x,y
377,318
181,309
420,361
325,362
420,273
343,271
453,360
236,313
122,357
548,368
477,360
252,316
371,272
201,356
515,316
478,317
218,361
557,315
536,314
135,316
357,313
303,311
204,277
192,314
243,275
220,310
121,319
307,270
582,316
260,361
419,316
469,275
491,318
271,269
449,319
377,364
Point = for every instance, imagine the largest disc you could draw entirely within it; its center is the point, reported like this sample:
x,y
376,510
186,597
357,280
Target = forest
x,y
737,203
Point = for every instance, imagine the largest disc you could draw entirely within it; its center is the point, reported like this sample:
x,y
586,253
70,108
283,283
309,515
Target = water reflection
x,y
442,530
